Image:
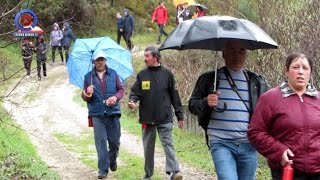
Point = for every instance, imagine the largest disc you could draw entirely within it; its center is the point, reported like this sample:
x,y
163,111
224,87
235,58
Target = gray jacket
x,y
56,37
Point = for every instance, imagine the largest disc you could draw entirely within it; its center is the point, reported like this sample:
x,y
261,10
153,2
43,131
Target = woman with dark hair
x,y
285,126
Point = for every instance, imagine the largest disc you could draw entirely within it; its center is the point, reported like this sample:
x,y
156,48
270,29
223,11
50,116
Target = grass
x,y
18,157
131,166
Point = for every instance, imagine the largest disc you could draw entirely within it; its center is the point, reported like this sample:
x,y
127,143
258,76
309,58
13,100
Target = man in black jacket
x,y
155,89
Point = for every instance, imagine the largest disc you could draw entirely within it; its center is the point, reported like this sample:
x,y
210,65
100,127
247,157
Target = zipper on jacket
x,y
301,98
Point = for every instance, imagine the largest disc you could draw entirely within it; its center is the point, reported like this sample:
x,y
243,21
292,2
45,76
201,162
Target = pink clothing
x,y
292,122
201,13
160,14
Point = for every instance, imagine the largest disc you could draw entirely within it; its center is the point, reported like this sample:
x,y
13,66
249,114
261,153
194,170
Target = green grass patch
x,y
129,166
18,157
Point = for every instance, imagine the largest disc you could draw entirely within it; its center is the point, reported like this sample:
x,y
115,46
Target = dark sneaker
x,y
102,176
176,176
146,177
113,166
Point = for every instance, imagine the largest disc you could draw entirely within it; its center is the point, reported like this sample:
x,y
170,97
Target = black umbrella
x,y
212,32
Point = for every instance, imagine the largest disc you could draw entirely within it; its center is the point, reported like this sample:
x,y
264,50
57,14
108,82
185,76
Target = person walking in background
x,y
66,40
128,29
27,52
179,12
120,27
155,89
56,36
239,88
186,13
285,126
199,12
41,47
160,14
103,91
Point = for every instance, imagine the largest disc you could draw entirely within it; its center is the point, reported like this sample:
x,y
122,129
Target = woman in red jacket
x,y
285,126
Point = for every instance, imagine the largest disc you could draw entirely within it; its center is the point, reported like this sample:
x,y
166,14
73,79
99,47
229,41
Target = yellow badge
x,y
145,85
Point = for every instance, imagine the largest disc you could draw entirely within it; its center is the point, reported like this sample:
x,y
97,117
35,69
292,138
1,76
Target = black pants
x,y
119,34
54,52
161,31
44,68
66,52
277,175
27,64
127,36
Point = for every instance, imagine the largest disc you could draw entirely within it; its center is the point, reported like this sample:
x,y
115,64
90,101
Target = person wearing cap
x,y
155,89
56,36
102,91
41,48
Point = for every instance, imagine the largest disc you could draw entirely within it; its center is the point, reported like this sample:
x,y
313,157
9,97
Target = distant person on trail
x,y
27,50
56,36
66,40
160,15
120,27
155,89
102,91
41,47
128,29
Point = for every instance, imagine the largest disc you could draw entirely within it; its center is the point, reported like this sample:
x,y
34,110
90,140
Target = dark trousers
x,y
119,34
127,36
277,175
161,31
54,52
44,67
107,132
27,64
66,52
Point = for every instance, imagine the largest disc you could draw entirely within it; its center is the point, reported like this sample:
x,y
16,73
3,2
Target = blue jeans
x,y
234,160
106,129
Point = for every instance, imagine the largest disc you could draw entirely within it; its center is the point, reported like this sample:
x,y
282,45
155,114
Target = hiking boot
x,y
113,166
102,176
176,176
146,177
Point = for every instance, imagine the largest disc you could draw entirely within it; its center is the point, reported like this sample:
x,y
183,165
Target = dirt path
x,y
53,111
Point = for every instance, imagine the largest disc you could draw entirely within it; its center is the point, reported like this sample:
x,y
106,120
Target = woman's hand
x,y
285,157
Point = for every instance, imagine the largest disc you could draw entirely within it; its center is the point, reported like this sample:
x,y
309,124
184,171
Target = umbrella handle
x,y
220,110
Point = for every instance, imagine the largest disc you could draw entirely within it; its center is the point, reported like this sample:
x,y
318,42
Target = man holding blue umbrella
x,y
102,91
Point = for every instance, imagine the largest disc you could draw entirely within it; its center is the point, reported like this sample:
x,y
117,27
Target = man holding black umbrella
x,y
239,89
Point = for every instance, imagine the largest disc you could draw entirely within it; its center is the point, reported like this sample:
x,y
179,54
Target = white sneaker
x,y
52,63
28,77
134,47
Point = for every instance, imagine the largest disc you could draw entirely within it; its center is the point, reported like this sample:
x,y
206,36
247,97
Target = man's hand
x,y
89,90
111,101
181,123
213,99
132,105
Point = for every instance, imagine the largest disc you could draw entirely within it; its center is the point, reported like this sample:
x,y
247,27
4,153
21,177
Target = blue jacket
x,y
96,105
67,35
128,22
120,23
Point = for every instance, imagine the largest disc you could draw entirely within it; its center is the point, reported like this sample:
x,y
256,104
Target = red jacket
x,y
160,14
279,123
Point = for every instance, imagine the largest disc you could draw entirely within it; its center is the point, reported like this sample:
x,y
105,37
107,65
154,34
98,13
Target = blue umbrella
x,y
80,59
